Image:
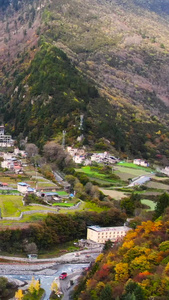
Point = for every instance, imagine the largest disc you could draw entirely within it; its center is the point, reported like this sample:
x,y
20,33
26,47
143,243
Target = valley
x,y
84,104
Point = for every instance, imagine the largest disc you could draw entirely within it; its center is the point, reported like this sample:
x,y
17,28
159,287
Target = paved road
x,y
65,285
73,270
139,181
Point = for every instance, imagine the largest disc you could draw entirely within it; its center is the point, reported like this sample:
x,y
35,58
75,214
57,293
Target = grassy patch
x,y
44,184
87,170
10,205
100,178
157,185
149,203
6,192
125,172
117,195
131,165
64,204
93,207
62,193
36,207
32,218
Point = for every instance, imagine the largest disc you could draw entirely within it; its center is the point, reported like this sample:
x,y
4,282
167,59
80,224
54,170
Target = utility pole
x,y
81,122
63,138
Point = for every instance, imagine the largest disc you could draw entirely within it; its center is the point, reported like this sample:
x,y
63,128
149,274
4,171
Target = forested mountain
x,y
107,60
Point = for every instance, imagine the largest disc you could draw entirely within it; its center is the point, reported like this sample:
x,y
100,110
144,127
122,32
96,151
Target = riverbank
x,y
16,265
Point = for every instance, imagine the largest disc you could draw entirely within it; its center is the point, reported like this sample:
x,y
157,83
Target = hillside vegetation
x,y
106,60
136,269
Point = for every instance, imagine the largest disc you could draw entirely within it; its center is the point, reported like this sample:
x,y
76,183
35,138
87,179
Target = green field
x,y
12,206
94,207
64,204
62,193
99,178
149,203
9,192
117,195
131,165
125,172
87,170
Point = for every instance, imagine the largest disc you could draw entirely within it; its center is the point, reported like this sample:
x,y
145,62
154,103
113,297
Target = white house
x,y
6,164
102,234
19,152
24,188
78,159
140,162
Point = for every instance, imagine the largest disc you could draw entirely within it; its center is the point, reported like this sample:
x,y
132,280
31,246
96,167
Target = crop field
x,y
87,170
12,206
46,185
157,185
62,193
100,178
64,204
117,195
126,172
133,166
24,222
149,203
8,192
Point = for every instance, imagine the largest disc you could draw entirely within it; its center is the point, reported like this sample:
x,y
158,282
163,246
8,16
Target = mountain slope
x,y
120,48
136,268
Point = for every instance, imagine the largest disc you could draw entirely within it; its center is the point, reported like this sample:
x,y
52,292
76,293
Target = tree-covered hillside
x,y
102,59
52,93
137,269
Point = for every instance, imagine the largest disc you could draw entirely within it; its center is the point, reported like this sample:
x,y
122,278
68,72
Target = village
x,y
26,194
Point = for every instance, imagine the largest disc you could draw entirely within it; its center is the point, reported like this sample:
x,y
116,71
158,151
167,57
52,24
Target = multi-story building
x,y
102,234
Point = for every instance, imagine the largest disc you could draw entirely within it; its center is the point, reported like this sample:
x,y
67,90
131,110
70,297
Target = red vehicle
x,y
63,275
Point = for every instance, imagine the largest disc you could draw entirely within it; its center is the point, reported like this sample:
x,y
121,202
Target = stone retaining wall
x,y
39,211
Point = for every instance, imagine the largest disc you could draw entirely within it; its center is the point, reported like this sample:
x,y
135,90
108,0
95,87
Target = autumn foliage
x,y
137,269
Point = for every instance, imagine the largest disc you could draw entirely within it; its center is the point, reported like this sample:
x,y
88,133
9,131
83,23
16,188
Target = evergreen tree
x,y
106,293
162,204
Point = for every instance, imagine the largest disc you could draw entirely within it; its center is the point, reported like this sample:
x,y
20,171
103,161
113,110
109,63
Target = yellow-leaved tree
x,y
54,287
34,286
19,295
37,286
122,272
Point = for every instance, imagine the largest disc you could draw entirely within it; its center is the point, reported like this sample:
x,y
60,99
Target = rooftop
x,y
23,183
116,228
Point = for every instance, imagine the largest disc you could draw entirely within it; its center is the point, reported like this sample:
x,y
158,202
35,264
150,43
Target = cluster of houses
x,y
79,156
141,162
165,171
104,157
12,162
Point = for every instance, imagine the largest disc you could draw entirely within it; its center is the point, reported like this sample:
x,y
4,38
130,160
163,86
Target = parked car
x,y
63,275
